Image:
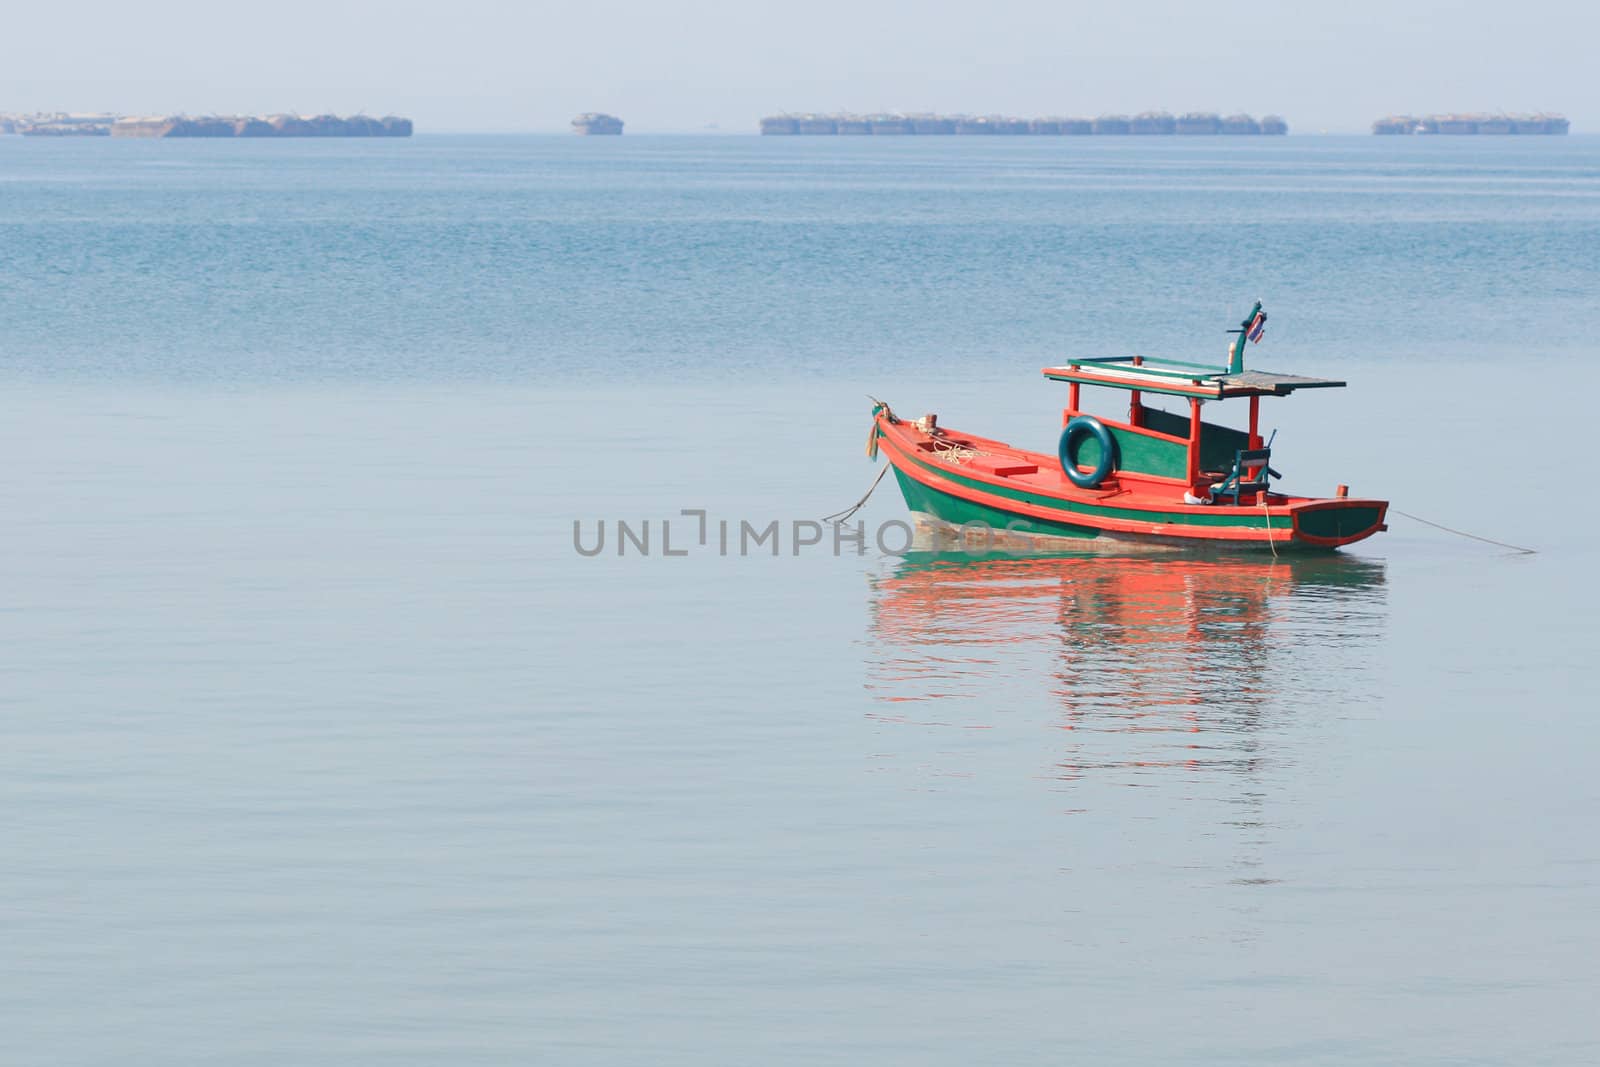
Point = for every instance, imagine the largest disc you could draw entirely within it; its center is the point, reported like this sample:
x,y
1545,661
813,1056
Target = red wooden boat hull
x,y
959,479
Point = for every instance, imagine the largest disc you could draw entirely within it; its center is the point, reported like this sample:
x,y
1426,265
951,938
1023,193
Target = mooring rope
x,y
1266,517
1463,533
842,516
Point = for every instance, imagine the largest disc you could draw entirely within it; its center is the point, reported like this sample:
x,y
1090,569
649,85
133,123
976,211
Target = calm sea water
x,y
323,744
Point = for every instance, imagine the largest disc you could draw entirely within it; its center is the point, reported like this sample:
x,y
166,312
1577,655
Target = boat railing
x,y
1156,368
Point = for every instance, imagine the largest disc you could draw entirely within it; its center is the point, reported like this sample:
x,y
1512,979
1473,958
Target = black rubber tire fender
x,y
1076,430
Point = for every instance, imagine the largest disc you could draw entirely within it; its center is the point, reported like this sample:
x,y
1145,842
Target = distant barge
x,y
591,123
1148,123
257,126
161,126
1471,124
57,124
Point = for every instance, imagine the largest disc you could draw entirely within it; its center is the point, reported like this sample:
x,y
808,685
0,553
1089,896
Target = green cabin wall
x,y
1168,459
1217,443
1137,452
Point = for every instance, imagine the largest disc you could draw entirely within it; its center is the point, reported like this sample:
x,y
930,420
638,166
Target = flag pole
x,y
1236,350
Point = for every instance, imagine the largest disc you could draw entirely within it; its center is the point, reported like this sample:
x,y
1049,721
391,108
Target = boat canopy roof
x,y
1207,382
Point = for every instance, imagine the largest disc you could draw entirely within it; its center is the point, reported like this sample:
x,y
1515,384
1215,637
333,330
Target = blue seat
x,y
1239,480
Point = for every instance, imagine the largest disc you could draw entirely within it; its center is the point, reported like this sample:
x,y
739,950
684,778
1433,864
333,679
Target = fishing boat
x,y
1158,476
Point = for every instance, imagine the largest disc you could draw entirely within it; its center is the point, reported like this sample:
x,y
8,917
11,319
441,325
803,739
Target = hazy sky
x,y
686,64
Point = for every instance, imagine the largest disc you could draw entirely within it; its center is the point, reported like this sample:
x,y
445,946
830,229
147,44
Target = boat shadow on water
x,y
1143,659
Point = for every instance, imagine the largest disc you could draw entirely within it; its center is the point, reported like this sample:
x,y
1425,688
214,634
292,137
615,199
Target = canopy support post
x,y
1194,442
1255,422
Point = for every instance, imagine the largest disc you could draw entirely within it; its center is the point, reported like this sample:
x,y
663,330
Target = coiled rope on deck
x,y
951,452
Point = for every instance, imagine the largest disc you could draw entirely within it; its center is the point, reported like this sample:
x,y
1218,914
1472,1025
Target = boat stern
x,y
1342,521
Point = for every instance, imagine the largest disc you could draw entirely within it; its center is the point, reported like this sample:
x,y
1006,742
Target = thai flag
x,y
1257,327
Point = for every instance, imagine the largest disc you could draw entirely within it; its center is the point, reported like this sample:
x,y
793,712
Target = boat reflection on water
x,y
1143,661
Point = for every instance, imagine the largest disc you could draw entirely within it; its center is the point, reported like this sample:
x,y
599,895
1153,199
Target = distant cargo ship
x,y
1158,123
162,126
1153,122
57,124
51,129
1470,124
64,125
932,125
593,122
1198,122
